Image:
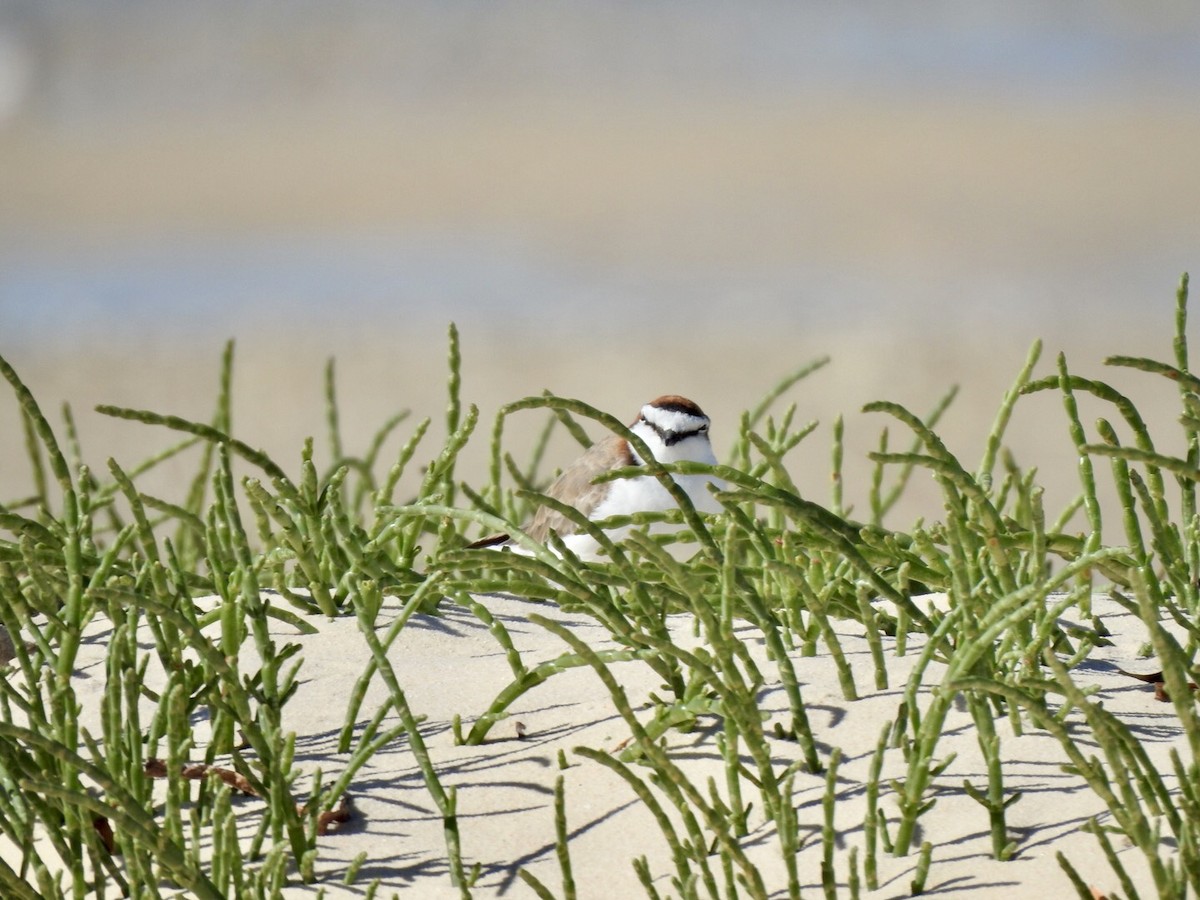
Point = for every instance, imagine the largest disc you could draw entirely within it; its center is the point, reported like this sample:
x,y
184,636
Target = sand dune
x,y
449,665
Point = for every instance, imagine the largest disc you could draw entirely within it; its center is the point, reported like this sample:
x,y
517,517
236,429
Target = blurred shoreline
x,y
635,181
921,218
611,205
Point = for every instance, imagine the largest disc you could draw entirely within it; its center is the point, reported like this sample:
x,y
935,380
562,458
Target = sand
x,y
450,665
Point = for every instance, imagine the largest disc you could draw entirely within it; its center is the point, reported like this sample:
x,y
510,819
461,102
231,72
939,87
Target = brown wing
x,y
575,486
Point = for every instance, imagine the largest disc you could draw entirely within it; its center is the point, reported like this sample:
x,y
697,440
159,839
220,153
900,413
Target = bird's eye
x,y
703,429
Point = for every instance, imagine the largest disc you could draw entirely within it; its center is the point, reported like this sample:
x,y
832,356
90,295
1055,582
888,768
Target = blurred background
x,y
612,201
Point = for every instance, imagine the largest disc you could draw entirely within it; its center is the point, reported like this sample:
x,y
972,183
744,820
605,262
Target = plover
x,y
674,429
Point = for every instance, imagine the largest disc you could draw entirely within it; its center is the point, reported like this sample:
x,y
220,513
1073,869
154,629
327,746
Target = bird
x,y
674,429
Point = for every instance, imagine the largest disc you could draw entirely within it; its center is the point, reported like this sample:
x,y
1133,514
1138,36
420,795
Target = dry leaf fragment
x,y
1151,678
156,768
104,830
1156,679
8,651
342,813
327,821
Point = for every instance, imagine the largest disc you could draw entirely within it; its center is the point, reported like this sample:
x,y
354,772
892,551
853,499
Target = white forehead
x,y
672,419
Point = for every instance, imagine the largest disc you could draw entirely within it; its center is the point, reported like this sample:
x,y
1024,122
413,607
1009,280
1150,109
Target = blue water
x,y
220,287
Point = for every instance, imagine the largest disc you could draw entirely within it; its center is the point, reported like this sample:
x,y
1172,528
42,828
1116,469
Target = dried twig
x,y
156,768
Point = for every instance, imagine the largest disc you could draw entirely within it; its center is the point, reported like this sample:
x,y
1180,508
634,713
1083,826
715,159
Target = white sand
x,y
450,664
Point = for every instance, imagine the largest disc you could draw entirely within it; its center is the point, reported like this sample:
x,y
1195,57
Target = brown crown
x,y
675,403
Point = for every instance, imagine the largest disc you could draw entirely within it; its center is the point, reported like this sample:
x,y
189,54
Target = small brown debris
x,y
1156,679
521,730
339,815
328,821
104,830
8,651
156,768
1151,678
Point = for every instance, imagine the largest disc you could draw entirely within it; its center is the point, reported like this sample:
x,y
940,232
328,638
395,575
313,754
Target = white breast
x,y
646,494
627,496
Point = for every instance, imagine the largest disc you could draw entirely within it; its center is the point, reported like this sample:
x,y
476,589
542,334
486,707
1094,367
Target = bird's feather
x,y
577,482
